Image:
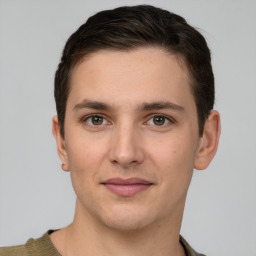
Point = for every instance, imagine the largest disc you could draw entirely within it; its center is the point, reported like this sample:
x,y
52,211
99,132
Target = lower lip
x,y
127,190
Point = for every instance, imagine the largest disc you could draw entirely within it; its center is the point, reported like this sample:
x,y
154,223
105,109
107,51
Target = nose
x,y
126,147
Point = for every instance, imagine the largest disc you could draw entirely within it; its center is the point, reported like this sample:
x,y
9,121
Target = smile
x,y
127,187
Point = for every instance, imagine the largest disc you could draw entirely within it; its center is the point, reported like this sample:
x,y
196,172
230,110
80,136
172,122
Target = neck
x,y
88,236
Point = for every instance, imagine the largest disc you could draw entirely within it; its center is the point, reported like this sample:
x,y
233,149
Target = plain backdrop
x,y
36,195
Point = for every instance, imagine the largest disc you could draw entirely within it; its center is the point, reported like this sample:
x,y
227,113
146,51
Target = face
x,y
131,137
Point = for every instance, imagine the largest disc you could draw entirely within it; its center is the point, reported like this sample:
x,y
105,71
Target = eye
x,y
159,120
95,120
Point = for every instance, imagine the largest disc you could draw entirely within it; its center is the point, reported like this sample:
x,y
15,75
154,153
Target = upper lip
x,y
130,181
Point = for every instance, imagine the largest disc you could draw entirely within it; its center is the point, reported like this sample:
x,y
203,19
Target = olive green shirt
x,y
43,246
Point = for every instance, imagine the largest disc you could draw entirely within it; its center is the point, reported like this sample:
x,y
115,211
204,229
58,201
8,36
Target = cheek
x,y
85,156
84,164
175,150
83,150
174,158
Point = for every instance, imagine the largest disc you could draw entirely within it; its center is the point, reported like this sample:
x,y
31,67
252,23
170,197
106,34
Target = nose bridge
x,y
126,149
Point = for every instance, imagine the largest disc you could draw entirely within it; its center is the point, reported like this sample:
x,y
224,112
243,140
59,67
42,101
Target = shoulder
x,y
188,249
13,251
34,247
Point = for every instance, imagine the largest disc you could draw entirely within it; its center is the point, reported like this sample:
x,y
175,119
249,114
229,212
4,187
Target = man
x,y
134,94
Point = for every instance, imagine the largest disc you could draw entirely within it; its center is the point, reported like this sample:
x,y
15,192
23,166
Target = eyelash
x,y
86,118
167,119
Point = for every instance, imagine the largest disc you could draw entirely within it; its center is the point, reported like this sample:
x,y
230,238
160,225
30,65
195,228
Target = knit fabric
x,y
43,246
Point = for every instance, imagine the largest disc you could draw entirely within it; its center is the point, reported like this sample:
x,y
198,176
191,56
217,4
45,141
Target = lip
x,y
126,187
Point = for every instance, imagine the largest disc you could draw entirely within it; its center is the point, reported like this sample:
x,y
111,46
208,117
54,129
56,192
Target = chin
x,y
126,219
126,225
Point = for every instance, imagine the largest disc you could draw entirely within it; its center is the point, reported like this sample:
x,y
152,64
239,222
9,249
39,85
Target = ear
x,y
209,141
61,148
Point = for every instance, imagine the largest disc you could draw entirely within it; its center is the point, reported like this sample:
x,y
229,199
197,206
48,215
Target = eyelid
x,y
86,117
168,118
149,117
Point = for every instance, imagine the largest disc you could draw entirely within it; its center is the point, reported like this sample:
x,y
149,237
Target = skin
x,y
145,127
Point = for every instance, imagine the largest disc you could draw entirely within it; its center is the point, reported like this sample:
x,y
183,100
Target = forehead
x,y
149,73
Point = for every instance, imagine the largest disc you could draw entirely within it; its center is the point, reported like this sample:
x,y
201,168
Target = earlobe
x,y
209,141
60,142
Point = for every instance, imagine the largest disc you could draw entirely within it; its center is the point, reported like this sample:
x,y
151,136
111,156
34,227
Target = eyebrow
x,y
92,105
144,107
161,105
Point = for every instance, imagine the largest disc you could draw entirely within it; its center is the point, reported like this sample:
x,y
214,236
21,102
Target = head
x,y
134,94
130,28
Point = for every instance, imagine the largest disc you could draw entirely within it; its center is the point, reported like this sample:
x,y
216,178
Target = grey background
x,y
35,195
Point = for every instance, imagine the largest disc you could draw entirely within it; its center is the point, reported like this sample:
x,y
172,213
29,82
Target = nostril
x,y
125,160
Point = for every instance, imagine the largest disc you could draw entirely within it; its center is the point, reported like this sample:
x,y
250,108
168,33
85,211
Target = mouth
x,y
127,187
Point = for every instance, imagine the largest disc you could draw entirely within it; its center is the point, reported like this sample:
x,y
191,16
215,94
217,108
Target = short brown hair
x,y
131,27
